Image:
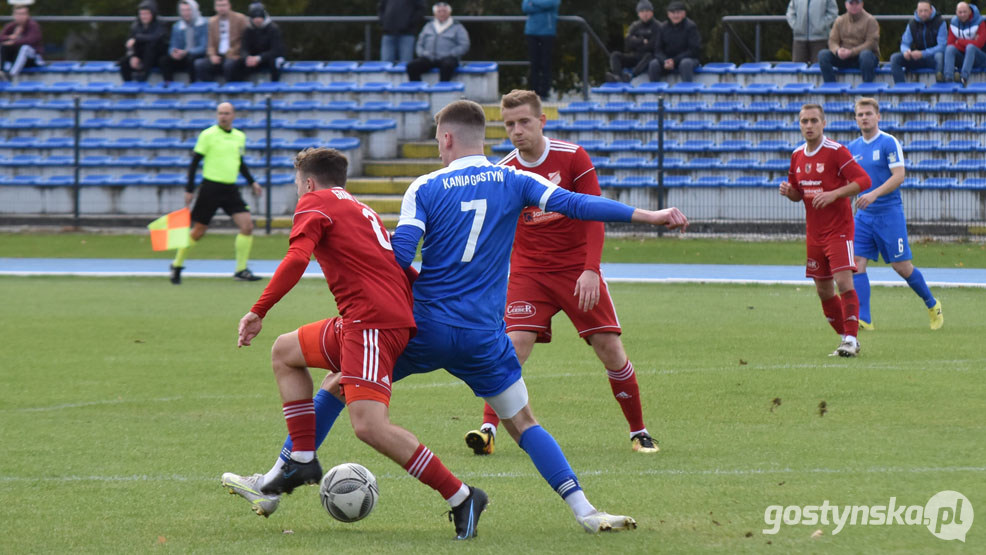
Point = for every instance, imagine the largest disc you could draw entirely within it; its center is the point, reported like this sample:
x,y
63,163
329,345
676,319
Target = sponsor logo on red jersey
x,y
520,309
812,264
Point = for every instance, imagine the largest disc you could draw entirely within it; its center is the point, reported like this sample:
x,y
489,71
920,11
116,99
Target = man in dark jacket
x,y
923,43
641,38
20,44
145,45
400,20
679,47
262,49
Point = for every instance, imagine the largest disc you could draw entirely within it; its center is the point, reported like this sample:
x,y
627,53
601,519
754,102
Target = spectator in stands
x,y
679,47
639,44
811,23
189,36
441,43
399,19
853,43
923,44
145,45
966,38
226,30
540,30
20,44
263,49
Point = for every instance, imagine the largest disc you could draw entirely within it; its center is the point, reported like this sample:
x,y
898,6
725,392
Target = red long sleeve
x,y
288,272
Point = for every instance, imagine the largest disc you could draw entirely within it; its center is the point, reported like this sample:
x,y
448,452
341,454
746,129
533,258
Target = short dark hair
x,y
461,112
327,166
814,107
518,97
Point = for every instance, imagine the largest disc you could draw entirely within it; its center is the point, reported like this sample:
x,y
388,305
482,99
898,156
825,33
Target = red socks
x,y
489,416
300,418
850,306
426,467
623,382
834,314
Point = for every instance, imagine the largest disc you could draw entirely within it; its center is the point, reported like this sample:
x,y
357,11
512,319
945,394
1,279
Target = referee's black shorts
x,y
213,196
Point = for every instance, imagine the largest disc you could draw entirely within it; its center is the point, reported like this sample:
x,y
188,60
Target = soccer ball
x,y
349,492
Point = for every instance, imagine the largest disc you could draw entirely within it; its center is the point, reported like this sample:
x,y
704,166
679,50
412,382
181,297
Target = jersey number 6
x,y
479,205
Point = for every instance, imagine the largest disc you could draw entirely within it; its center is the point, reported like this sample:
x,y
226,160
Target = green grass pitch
x,y
123,400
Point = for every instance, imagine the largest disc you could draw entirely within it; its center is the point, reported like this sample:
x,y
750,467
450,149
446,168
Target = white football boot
x,y
599,521
248,487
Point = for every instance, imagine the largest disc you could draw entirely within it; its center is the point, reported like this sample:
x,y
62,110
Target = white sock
x,y
852,339
459,496
274,470
488,428
303,456
579,504
643,431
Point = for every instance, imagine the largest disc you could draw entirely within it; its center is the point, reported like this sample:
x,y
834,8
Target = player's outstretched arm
x,y
250,326
790,191
672,218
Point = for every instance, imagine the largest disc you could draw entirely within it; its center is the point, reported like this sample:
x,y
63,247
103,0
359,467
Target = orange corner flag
x,y
171,231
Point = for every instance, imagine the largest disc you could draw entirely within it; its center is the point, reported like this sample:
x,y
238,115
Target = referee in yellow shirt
x,y
221,147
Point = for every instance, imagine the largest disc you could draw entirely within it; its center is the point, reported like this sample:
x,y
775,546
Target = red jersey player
x,y
555,267
824,174
373,295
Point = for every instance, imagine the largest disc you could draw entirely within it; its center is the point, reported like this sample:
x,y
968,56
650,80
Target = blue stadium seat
x,y
684,87
54,143
831,88
444,87
909,107
905,88
686,107
200,87
977,108
59,160
612,88
917,125
626,163
374,67
730,125
842,125
580,125
720,88
580,107
302,67
166,123
701,163
690,125
165,162
124,143
969,165
932,165
93,142
590,145
59,181
412,106
962,145
763,107
129,161
838,107
670,163
166,179
939,183
340,67
611,107
61,66
753,68
410,87
974,183
619,125
95,160
56,104
725,106
926,145
741,164
710,181
647,87
976,87
160,142
758,88
771,125
379,124
716,67
813,69
734,145
787,67
619,145
677,180
958,126
634,181
25,87
95,180
340,106
794,88
475,67
653,146
752,181
776,165
949,107
943,88
23,160
343,143
20,123
869,89
128,179
694,145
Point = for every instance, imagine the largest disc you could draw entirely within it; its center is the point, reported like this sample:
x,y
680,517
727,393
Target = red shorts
x,y
365,357
532,299
825,260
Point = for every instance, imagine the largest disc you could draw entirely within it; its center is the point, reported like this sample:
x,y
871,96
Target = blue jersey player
x,y
467,214
880,226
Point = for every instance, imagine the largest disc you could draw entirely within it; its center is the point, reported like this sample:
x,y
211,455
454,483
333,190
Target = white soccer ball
x,y
349,492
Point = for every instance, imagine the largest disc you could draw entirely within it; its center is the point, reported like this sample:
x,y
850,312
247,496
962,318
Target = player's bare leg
x,y
626,391
915,280
483,440
371,423
554,468
197,232
861,282
242,245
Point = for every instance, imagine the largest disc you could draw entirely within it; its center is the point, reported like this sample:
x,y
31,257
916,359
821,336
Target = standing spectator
x,y
145,45
540,30
679,47
263,49
923,44
853,43
810,24
966,37
189,36
441,43
639,45
226,30
20,44
399,19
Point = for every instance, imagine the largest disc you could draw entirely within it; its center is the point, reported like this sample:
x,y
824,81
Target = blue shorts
x,y
484,359
882,234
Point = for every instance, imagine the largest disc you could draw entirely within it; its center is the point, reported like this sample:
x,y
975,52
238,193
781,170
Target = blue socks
x,y
549,460
916,281
327,409
861,281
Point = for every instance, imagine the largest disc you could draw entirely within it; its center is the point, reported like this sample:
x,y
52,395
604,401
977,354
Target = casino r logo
x,y
520,309
812,264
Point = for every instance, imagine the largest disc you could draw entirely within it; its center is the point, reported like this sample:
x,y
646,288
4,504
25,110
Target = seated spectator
x,y
966,37
923,44
226,30
639,45
399,20
441,43
853,43
810,23
679,47
145,45
20,44
263,49
188,40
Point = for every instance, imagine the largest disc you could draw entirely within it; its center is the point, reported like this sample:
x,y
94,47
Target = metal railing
x,y
369,23
758,21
